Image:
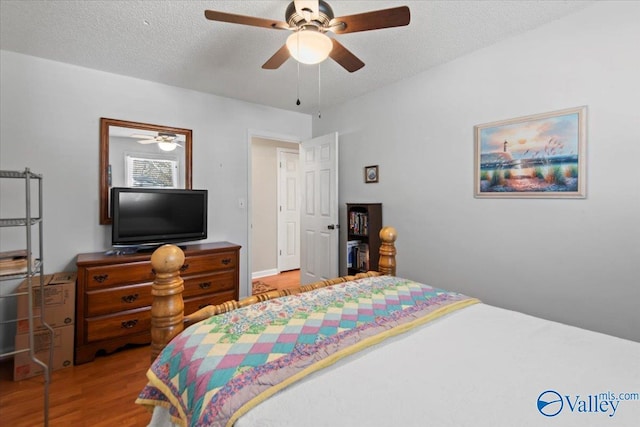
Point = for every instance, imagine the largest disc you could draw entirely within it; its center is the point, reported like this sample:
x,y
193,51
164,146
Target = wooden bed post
x,y
387,263
167,308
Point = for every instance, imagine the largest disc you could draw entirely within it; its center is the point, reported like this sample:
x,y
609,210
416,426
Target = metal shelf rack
x,y
34,272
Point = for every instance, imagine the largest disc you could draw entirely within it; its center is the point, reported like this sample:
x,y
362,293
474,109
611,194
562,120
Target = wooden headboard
x,y
167,309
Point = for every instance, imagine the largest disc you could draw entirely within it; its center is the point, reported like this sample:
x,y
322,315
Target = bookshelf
x,y
363,236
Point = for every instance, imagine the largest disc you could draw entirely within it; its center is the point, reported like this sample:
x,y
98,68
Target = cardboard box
x,y
59,301
24,367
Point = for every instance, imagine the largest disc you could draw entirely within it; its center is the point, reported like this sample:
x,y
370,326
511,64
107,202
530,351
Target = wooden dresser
x,y
113,295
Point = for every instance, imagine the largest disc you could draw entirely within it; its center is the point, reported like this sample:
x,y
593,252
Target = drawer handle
x,y
184,268
100,277
129,298
205,285
129,324
226,261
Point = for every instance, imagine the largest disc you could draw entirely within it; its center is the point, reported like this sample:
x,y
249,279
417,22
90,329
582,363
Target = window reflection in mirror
x,y
141,155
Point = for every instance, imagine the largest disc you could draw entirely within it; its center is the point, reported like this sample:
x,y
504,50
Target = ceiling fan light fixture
x,y
309,46
167,146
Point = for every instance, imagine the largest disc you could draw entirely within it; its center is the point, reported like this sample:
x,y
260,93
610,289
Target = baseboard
x,y
264,273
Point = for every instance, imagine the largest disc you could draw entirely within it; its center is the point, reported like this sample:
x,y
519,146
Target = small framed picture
x,y
370,174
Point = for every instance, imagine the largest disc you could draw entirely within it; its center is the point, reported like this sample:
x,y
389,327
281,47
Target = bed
x,y
378,350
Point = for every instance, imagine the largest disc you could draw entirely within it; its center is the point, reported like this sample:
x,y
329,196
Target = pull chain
x,y
319,93
298,65
298,85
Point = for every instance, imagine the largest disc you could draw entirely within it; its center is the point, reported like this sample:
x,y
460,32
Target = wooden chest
x,y
113,295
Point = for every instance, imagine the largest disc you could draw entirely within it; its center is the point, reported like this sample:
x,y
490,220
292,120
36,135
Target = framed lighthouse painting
x,y
537,156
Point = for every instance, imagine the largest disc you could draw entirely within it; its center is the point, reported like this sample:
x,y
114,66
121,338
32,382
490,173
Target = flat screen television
x,y
153,216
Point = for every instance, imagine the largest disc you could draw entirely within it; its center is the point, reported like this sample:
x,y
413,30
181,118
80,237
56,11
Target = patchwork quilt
x,y
218,369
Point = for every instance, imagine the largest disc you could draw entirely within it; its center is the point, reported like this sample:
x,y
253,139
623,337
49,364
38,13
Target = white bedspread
x,y
479,366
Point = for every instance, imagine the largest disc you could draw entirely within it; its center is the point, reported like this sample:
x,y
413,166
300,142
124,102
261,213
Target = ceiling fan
x,y
310,20
165,140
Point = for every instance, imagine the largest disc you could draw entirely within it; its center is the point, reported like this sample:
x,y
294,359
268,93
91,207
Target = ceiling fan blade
x,y
147,141
385,18
141,136
278,58
232,18
344,57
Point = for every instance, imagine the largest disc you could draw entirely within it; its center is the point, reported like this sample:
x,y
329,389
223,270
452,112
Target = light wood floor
x,y
96,394
100,393
285,280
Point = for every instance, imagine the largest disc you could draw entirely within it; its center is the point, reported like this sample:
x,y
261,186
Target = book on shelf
x,y
363,257
352,253
358,223
358,255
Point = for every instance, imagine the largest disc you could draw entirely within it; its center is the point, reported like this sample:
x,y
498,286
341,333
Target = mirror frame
x,y
105,124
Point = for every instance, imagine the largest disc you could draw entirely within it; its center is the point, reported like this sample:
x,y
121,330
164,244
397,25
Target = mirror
x,y
141,155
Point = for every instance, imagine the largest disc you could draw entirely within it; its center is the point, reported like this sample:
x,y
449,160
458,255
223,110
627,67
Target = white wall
x,y
574,261
49,119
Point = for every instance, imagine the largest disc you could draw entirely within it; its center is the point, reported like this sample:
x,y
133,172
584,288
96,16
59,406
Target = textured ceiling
x,y
171,42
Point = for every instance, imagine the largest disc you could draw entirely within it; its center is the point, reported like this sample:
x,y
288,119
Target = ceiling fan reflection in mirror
x,y
310,21
166,141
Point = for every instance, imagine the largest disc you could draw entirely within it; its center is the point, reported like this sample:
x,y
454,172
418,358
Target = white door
x,y
319,238
288,210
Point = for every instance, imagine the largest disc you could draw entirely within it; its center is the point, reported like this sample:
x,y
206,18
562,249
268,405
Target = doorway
x,y
267,238
319,249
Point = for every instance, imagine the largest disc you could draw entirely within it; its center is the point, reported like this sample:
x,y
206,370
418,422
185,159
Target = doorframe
x,y
251,134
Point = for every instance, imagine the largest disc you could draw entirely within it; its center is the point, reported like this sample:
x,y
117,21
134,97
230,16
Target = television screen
x,y
152,216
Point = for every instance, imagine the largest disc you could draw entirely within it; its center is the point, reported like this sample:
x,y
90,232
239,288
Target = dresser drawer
x,y
119,274
135,321
113,300
118,325
192,305
210,262
209,283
